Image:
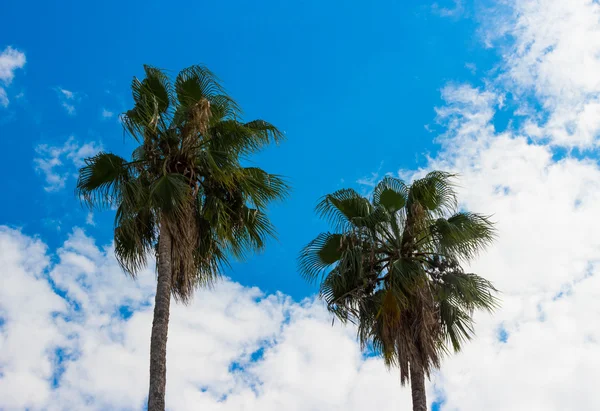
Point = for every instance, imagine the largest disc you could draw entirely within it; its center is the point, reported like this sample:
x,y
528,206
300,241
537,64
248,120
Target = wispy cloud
x,y
369,182
89,220
456,9
472,67
107,114
58,163
551,52
10,60
3,98
68,99
68,94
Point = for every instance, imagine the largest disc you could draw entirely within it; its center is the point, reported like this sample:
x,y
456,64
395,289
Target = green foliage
x,y
462,235
393,267
344,208
196,83
170,194
186,176
320,253
102,178
435,192
391,193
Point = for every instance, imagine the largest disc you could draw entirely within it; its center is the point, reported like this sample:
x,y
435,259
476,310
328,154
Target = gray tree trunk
x,y
417,386
160,325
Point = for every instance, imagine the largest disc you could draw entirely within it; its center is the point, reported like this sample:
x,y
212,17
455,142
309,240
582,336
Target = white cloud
x,y
552,50
28,335
69,107
232,348
472,67
456,9
542,346
69,95
3,98
107,114
89,220
58,163
68,99
545,263
369,182
10,60
540,351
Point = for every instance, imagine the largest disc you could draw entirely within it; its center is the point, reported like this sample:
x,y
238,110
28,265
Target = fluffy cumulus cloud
x,y
551,50
541,350
10,60
83,341
58,163
542,345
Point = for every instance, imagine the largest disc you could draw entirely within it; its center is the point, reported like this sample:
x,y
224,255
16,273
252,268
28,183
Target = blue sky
x,y
352,86
504,93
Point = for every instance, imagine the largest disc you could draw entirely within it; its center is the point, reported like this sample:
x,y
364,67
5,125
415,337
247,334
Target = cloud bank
x,y
76,333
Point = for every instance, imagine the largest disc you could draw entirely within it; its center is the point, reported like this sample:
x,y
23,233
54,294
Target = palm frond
x,y
157,86
343,208
135,236
463,234
242,138
196,83
319,254
101,179
224,107
344,295
153,97
470,291
250,231
211,254
390,193
435,192
405,276
170,194
260,187
264,132
457,325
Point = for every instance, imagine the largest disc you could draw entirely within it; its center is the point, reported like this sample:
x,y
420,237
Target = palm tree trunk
x,y
417,386
160,325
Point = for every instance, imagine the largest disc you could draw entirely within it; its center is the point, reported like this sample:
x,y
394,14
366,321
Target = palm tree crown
x,y
186,177
393,267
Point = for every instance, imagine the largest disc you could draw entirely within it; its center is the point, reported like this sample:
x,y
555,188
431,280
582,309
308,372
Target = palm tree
x,y
184,194
393,267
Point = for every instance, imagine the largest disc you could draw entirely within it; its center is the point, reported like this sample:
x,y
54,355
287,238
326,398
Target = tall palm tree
x,y
184,195
393,267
